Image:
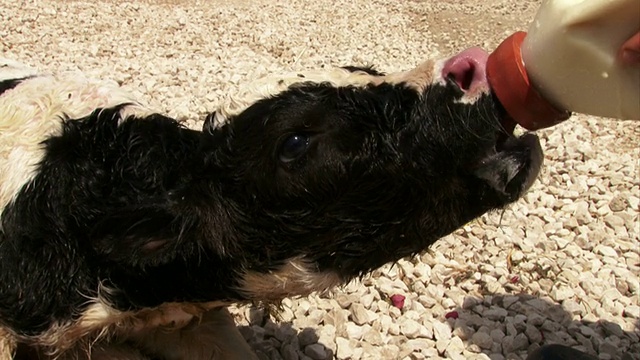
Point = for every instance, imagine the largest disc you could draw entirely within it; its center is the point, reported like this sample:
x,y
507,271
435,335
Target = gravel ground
x,y
560,266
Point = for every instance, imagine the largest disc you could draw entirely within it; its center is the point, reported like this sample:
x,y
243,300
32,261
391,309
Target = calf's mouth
x,y
512,163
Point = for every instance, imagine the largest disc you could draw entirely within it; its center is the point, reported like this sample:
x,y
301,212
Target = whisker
x,y
501,217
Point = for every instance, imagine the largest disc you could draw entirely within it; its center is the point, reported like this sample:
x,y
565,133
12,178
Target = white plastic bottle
x,y
569,61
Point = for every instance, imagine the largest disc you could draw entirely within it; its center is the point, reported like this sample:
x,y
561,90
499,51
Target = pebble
x,y
495,314
410,328
573,307
497,335
533,334
359,314
374,337
536,319
608,348
427,301
482,339
507,301
367,300
632,311
441,331
288,352
470,302
327,336
611,328
618,203
354,331
455,347
390,351
394,329
345,300
511,344
441,345
606,250
614,221
561,293
464,332
344,348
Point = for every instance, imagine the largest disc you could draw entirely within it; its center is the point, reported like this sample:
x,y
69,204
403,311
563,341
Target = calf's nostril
x,y
463,73
467,69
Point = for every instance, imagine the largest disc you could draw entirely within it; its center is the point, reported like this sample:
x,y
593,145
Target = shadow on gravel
x,y
503,326
280,340
514,325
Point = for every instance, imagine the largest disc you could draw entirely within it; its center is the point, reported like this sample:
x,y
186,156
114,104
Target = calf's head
x,y
337,173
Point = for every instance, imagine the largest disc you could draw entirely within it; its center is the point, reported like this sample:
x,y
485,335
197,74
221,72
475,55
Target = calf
x,y
124,232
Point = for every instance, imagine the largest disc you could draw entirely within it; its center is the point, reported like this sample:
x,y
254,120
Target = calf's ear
x,y
213,122
138,236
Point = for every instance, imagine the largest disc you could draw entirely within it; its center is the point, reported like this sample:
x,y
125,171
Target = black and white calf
x,y
120,225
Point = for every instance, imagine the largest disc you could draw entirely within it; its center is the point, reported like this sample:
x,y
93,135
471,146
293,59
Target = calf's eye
x,y
293,147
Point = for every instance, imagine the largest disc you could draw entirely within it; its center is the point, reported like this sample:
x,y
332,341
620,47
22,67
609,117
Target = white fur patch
x,y
296,277
32,112
10,69
7,344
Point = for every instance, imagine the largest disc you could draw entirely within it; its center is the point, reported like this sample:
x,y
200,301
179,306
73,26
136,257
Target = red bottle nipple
x,y
510,83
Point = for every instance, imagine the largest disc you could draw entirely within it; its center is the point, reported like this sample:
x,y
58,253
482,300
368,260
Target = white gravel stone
x,y
562,293
632,311
455,347
344,348
394,329
354,331
441,346
410,328
573,307
606,250
441,331
359,314
367,300
345,300
373,337
327,336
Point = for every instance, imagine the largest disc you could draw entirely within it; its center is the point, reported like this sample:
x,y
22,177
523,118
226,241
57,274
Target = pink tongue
x,y
468,68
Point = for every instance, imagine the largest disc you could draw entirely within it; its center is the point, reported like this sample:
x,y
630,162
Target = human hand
x,y
630,51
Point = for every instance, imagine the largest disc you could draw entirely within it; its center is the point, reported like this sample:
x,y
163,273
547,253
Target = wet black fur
x,y
163,213
9,84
